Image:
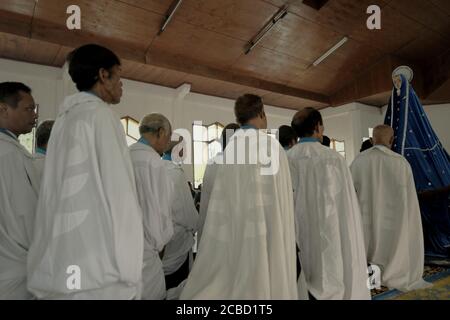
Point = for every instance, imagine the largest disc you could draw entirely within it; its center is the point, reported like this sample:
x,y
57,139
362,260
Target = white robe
x,y
184,218
248,243
88,214
154,191
391,217
19,190
208,183
328,222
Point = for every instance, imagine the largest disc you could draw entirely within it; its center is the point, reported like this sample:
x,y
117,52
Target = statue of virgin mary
x,y
416,140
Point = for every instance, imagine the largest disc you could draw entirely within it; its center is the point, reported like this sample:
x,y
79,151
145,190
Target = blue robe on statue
x,y
430,163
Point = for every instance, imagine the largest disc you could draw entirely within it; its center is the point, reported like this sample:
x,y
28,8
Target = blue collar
x,y
8,133
286,148
308,139
167,156
248,126
92,93
144,141
41,151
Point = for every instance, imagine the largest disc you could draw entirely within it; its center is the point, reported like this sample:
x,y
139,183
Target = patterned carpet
x,y
436,272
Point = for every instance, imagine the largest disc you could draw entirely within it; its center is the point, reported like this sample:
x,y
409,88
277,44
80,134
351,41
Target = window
x,y
339,146
206,146
27,140
131,127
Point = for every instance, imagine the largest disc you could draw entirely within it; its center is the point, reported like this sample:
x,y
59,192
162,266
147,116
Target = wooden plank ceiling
x,y
204,45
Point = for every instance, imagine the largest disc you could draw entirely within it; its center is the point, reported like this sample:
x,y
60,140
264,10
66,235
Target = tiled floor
x,y
439,275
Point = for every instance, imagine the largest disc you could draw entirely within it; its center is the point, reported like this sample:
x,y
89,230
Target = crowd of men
x,y
124,218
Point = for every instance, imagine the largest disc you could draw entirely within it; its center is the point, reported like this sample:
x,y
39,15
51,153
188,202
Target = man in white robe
x,y
210,176
390,212
88,235
42,136
155,197
328,221
19,189
248,243
178,256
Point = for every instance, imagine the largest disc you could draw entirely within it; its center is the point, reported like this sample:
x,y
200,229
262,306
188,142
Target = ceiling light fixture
x,y
329,52
277,17
173,7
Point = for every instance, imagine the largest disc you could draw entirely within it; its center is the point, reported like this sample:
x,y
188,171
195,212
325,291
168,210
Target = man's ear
x,y
3,108
103,74
391,140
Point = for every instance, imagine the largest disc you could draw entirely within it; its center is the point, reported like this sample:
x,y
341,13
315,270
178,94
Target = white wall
x,y
349,123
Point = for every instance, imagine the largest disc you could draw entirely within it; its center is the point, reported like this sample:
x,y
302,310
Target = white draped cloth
x,y
208,183
154,191
19,189
391,217
184,218
248,243
328,222
88,220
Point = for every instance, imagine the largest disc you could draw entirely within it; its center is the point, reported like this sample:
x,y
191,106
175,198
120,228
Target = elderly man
x,y
19,189
390,213
88,240
155,197
210,176
42,136
247,249
329,230
178,257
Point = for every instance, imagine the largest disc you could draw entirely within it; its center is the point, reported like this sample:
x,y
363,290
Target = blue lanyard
x,y
308,139
144,141
41,151
167,156
8,133
248,126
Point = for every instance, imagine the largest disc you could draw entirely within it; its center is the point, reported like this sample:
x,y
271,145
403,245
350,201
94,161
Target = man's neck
x,y
10,132
97,91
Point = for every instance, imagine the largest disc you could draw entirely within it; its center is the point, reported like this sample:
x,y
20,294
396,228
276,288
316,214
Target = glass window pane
x,y
27,140
340,146
212,132
133,129
199,172
124,124
200,149
130,140
199,132
219,130
213,149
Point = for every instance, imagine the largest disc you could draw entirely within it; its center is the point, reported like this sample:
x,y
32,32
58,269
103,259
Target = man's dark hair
x,y
85,63
326,141
367,144
10,93
247,107
305,121
43,133
285,135
227,132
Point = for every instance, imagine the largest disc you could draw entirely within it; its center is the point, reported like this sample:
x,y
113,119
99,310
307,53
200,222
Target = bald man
x,y
390,212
